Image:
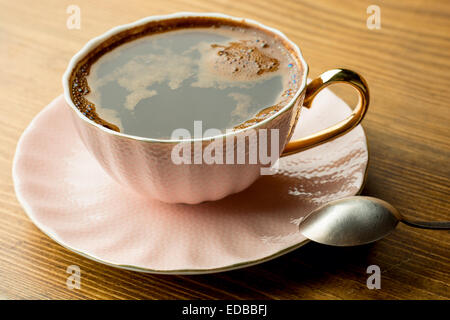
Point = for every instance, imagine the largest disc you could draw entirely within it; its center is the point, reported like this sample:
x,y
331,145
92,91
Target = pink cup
x,y
146,165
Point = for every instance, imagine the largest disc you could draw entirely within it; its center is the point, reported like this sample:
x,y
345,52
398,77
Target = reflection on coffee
x,y
226,75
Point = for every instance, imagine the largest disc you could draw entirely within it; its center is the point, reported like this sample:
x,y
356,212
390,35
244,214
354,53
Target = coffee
x,y
164,77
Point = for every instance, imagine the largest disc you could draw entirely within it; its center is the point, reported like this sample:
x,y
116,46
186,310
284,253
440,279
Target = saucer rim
x,y
27,208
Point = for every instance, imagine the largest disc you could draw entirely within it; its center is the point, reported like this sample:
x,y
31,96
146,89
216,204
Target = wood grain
x,y
407,66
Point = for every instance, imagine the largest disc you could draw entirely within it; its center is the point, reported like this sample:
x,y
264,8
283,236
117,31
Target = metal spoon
x,y
356,220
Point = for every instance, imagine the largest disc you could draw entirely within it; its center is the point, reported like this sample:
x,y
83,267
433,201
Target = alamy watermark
x,y
74,280
247,147
374,280
74,18
374,19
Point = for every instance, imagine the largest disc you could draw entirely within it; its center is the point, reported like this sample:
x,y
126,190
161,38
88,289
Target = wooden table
x,y
407,65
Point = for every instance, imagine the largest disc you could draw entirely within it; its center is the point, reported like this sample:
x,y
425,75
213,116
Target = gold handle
x,y
340,128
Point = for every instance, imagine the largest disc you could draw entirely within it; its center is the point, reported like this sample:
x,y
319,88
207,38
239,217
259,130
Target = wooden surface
x,y
407,66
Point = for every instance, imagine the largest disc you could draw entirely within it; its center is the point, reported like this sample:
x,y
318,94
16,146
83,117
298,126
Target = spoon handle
x,y
436,225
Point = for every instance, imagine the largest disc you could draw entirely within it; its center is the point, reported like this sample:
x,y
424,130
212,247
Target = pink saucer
x,y
72,200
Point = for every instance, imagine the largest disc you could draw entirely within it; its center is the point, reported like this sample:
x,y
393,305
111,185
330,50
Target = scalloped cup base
x,y
70,198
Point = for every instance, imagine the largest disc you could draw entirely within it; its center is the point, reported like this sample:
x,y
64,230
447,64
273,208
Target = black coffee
x,y
225,75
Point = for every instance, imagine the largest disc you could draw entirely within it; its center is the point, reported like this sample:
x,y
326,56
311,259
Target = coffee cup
x,y
154,168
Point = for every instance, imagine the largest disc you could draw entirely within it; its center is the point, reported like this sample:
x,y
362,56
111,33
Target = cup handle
x,y
313,88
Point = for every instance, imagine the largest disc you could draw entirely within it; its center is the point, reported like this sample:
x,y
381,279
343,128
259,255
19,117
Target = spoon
x,y
357,220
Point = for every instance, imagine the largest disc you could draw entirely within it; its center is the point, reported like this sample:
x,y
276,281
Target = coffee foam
x,y
242,60
142,72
